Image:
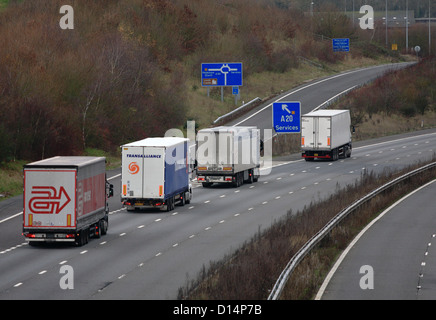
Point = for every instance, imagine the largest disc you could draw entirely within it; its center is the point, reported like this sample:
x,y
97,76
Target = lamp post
x,y
429,28
407,26
386,23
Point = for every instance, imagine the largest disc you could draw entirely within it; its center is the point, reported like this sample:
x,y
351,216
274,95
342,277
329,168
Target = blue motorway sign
x,y
341,44
221,74
287,117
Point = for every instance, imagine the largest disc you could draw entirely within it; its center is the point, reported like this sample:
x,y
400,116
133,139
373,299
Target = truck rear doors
x,y
50,198
316,132
143,172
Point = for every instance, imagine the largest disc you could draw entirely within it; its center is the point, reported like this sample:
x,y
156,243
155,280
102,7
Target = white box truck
x,y
65,199
228,155
155,173
325,134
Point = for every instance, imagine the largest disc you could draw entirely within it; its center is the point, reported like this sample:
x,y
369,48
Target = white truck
x,y
65,200
228,155
155,173
325,134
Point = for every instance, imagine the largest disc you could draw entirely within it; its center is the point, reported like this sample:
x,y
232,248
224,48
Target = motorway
x,y
400,248
149,254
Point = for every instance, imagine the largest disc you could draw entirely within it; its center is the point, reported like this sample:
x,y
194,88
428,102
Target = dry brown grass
x,y
252,270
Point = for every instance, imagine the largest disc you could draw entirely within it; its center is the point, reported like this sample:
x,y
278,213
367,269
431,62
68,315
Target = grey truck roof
x,y
65,162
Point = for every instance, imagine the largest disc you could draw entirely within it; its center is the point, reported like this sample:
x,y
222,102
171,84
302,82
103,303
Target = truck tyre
x,y
99,229
105,226
250,176
79,239
188,196
182,199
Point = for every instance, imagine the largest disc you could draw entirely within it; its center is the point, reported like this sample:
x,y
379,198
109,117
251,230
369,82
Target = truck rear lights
x,y
227,168
229,179
29,235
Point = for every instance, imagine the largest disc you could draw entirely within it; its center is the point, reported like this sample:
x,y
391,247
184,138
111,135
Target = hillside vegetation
x,y
122,74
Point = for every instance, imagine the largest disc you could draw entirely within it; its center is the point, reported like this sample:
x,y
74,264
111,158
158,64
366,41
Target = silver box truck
x,y
228,155
325,134
65,199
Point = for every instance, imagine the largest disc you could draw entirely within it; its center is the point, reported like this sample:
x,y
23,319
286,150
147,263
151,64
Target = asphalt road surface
x,y
149,254
397,253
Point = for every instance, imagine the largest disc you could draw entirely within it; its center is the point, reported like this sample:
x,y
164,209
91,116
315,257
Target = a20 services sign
x,y
287,117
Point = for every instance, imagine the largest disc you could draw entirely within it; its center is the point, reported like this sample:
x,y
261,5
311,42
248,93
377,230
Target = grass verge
x,y
252,270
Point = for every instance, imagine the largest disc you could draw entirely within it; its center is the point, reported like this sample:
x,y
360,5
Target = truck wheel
x,y
182,200
105,227
188,196
79,239
99,229
250,176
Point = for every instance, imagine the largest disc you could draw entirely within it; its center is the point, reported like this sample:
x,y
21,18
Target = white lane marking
x,y
115,176
11,217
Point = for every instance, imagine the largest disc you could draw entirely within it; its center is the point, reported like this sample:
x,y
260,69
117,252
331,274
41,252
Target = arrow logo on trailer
x,y
47,200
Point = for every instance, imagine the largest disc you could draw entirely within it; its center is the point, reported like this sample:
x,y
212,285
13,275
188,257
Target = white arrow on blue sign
x,y
287,117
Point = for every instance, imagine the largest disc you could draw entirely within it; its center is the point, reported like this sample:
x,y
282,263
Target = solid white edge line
x,y
361,233
11,217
